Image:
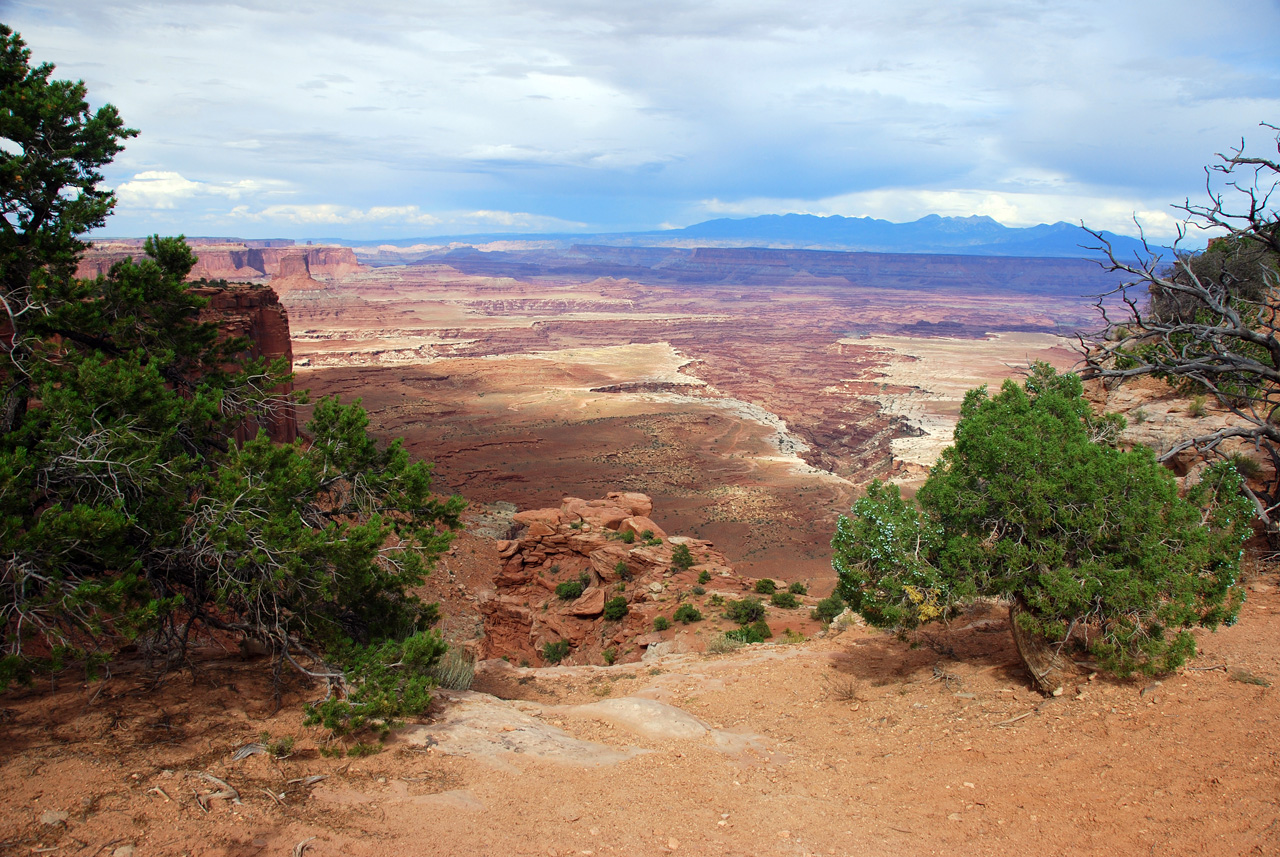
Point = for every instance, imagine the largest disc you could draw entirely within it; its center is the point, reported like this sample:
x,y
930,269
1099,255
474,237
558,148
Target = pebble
x,y
955,816
53,817
123,851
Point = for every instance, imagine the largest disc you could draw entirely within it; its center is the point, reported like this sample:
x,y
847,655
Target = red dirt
x,y
866,746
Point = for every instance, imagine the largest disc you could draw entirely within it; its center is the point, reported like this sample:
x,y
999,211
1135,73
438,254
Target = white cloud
x,y
402,216
165,189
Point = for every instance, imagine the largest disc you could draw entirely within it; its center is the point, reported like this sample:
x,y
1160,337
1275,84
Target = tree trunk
x,y
1049,669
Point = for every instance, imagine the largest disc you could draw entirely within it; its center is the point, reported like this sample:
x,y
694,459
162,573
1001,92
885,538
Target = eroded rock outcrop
x,y
255,313
611,549
222,260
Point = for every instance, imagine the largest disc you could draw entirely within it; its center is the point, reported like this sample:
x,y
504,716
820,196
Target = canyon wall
x,y
238,261
255,313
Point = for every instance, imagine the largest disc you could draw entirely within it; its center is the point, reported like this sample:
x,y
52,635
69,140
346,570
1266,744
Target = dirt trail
x,y
850,745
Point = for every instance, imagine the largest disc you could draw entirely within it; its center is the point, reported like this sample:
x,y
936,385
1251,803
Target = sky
x,y
390,119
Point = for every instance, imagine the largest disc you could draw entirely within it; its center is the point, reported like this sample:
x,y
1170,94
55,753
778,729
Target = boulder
x,y
638,524
639,504
605,561
590,603
549,517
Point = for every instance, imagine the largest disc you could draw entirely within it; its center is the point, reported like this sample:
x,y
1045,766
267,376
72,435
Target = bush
x,y
765,586
610,655
828,609
628,537
1078,535
716,600
784,600
744,612
1196,407
756,632
455,670
699,590
723,644
704,576
687,614
571,589
798,588
622,569
682,558
554,653
615,608
661,623
385,682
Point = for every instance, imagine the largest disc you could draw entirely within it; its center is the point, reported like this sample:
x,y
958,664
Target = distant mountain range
x,y
969,236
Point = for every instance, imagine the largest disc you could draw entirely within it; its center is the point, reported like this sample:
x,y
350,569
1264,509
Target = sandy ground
x,y
855,744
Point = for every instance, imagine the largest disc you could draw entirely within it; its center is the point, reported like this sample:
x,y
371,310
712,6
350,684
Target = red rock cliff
x,y
255,312
236,261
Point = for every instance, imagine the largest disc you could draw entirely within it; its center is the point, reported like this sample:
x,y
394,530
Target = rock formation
x,y
255,313
238,261
614,550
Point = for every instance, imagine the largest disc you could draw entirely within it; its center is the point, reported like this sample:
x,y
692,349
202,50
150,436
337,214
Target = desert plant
x,y
723,644
555,652
687,614
1196,407
661,623
615,608
1078,535
568,590
627,537
455,670
744,612
785,600
361,749
716,600
682,558
622,569
698,590
703,576
798,588
756,632
1139,416
610,655
828,609
765,586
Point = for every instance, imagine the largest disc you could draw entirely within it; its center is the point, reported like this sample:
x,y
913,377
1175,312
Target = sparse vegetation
x,y
622,569
682,558
615,608
723,644
703,576
798,588
785,600
765,586
828,609
1139,416
687,614
628,537
555,652
569,590
661,623
1196,407
699,590
744,612
455,670
716,600
756,632
610,655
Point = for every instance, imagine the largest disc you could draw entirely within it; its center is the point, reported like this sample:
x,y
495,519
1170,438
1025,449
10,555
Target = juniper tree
x,y
1090,545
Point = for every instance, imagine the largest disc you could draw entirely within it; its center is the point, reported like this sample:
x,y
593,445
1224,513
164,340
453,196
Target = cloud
x,y
397,217
163,189
629,114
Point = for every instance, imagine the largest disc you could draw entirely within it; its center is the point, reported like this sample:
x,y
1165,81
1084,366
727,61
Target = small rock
x,y
673,843
123,851
955,816
53,817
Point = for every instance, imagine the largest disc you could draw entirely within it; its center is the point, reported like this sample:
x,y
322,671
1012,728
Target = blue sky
x,y
390,119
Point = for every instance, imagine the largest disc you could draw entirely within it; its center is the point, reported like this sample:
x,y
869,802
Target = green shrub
x,y
615,608
280,748
1196,407
828,609
699,590
571,589
610,655
1088,541
622,569
765,586
661,623
628,537
798,588
785,600
744,612
687,614
704,577
682,558
716,600
1139,416
646,535
756,632
554,653
1245,465
360,750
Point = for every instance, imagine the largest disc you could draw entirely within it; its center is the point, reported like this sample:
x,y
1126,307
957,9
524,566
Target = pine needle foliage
x,y
1033,504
